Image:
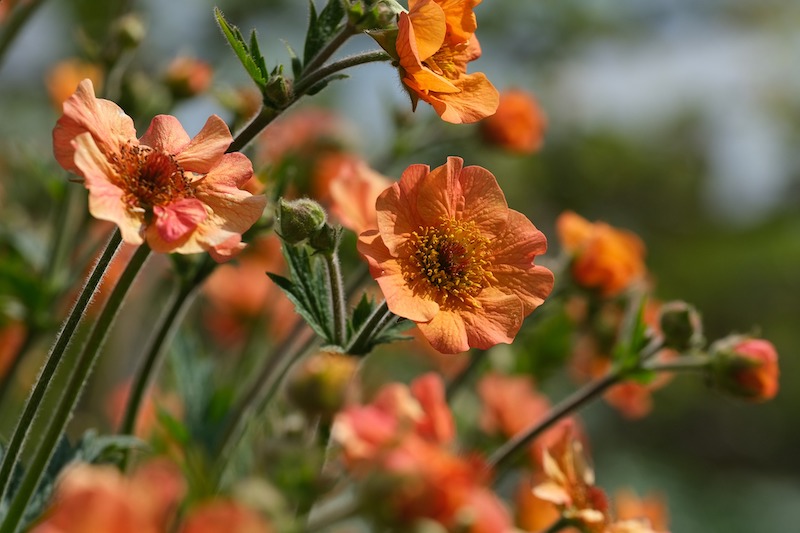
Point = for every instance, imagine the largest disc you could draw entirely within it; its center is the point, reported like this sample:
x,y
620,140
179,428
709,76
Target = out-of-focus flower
x,y
147,421
518,125
321,383
651,510
451,256
232,309
397,446
187,76
12,336
224,516
178,194
65,76
435,41
511,405
302,133
570,485
603,258
746,367
99,499
533,513
354,188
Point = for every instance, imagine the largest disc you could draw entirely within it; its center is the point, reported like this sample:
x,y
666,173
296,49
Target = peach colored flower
x,y
99,499
397,447
518,125
233,311
65,76
224,516
353,188
570,485
511,405
435,41
451,256
604,258
177,194
533,513
301,133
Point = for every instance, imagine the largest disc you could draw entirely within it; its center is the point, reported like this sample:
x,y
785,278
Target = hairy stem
x,y
20,434
69,398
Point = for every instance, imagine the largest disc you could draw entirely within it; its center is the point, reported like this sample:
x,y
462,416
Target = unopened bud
x,y
326,240
278,92
300,219
746,367
129,30
186,77
320,384
681,325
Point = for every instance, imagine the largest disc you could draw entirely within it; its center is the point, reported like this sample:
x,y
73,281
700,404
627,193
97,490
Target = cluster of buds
x,y
305,220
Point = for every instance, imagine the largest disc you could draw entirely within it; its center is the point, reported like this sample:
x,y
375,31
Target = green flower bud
x,y
326,239
681,325
299,220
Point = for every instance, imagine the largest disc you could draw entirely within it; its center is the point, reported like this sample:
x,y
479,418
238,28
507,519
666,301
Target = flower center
x,y
448,262
448,61
149,177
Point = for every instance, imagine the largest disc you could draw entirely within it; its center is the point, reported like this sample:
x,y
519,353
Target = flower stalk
x,y
380,318
20,434
72,392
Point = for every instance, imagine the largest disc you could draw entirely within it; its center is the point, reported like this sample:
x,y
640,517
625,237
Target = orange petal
x,y
484,201
428,27
478,99
165,134
396,207
207,147
384,268
446,332
497,320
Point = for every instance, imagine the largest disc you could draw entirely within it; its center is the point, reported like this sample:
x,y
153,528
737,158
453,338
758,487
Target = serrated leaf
x,y
361,313
251,60
322,28
303,308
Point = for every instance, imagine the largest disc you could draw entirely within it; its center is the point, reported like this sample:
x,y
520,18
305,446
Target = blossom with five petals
x,y
435,41
175,193
451,256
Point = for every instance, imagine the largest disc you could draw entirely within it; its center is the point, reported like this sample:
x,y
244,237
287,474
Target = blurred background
x,y
676,120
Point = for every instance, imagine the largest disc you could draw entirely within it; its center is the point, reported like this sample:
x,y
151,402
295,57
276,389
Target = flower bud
x,y
319,385
746,367
278,92
326,239
299,219
681,326
186,77
129,30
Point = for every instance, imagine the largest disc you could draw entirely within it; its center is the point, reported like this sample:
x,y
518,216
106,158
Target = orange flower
x,y
629,506
570,485
398,448
353,189
98,499
12,337
64,77
511,405
223,516
177,194
747,368
604,258
451,256
435,41
186,76
518,125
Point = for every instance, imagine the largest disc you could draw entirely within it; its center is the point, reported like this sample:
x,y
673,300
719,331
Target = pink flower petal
x,y
165,134
176,220
207,148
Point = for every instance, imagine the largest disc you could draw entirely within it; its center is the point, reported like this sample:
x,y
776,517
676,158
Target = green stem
x,y
335,511
72,392
377,322
337,298
309,80
330,48
261,121
475,360
579,398
16,22
686,362
260,392
20,434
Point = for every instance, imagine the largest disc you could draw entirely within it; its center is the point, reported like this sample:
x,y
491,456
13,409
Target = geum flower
x,y
435,41
178,194
451,256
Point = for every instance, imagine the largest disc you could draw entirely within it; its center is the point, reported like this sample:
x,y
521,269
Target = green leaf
x,y
252,60
322,28
301,304
297,65
361,313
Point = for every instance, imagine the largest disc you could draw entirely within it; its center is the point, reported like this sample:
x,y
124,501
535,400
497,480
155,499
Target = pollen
x,y
149,177
448,262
